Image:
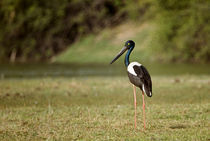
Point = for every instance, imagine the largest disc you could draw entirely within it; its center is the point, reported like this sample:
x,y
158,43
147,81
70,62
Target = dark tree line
x,y
37,30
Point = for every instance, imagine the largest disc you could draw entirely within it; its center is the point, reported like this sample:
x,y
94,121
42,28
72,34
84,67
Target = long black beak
x,y
119,54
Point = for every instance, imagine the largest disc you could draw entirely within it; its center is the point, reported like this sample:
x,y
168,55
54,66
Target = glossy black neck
x,y
126,61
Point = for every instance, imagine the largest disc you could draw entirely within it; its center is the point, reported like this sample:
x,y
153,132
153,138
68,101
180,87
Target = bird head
x,y
128,45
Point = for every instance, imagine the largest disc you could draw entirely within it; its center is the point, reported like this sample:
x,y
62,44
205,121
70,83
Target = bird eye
x,y
128,43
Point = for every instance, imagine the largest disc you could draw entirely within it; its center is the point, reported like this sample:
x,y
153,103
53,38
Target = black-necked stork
x,y
138,76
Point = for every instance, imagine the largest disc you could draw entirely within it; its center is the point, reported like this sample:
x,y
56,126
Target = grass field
x,y
101,108
104,46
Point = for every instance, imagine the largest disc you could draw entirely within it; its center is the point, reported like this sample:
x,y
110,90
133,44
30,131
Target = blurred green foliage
x,y
184,30
38,30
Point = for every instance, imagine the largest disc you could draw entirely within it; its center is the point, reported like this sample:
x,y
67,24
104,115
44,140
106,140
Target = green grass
x,y
104,46
101,108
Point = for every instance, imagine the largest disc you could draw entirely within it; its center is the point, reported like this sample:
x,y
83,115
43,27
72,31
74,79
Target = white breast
x,y
130,67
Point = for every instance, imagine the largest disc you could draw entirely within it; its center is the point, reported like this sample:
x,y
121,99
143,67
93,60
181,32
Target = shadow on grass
x,y
179,126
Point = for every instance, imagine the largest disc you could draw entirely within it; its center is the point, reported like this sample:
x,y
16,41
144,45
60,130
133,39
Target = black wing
x,y
144,76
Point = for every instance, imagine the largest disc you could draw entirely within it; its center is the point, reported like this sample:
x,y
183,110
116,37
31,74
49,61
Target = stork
x,y
138,76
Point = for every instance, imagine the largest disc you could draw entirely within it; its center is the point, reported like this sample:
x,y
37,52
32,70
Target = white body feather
x,y
130,67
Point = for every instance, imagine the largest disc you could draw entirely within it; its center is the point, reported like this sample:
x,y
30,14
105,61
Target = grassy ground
x,y
103,47
101,108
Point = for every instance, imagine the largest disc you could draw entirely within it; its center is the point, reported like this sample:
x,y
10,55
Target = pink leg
x,y
143,106
134,94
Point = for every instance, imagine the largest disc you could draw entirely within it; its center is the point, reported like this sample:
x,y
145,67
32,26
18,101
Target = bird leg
x,y
143,107
134,94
